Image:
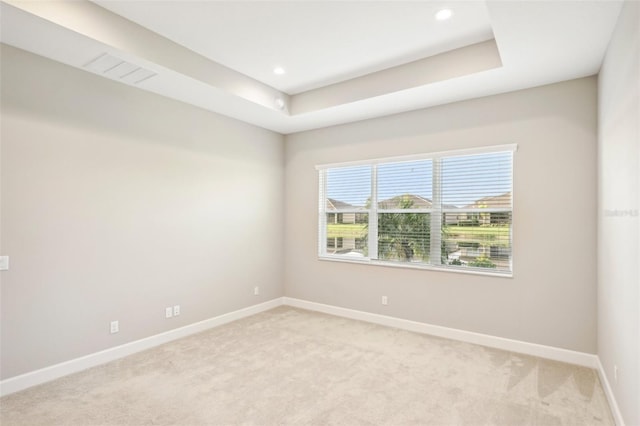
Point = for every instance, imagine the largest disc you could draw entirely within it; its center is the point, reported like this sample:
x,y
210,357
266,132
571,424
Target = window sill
x,y
453,269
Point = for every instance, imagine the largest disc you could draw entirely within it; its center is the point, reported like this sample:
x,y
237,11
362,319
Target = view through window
x,y
448,210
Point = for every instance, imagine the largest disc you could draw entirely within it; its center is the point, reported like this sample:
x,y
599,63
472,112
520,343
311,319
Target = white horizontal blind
x,y
447,210
404,211
476,207
345,211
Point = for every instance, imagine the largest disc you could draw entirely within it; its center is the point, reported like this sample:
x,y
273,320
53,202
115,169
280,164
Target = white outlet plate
x,y
115,327
4,263
256,291
176,310
385,301
168,312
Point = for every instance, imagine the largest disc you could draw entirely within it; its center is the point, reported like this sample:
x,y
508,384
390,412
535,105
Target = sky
x,y
464,179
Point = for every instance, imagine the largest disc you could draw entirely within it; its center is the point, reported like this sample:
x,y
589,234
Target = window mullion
x,y
322,214
373,215
436,214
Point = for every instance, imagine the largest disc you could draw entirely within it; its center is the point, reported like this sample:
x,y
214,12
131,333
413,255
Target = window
x,y
448,210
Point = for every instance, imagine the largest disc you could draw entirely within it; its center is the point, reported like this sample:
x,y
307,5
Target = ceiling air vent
x,y
118,69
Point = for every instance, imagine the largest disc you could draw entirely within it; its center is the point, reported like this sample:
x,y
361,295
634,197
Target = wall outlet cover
x,y
4,263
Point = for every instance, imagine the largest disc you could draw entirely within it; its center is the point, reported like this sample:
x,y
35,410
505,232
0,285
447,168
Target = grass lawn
x,y
346,230
496,235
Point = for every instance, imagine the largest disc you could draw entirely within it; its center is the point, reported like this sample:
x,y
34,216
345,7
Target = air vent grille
x,y
118,69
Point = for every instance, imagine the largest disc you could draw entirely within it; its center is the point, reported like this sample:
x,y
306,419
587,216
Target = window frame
x,y
436,212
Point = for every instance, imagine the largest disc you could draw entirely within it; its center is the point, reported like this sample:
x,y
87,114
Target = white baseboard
x,y
613,404
23,381
17,383
542,351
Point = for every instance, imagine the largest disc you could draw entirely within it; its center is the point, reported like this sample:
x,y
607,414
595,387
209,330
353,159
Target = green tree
x,y
404,236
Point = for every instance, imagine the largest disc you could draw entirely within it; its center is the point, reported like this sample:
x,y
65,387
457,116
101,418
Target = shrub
x,y
482,262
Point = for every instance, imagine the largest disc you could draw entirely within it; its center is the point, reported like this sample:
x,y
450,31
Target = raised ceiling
x,y
317,43
344,61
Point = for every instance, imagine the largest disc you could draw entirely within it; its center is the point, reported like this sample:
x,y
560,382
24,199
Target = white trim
x,y
322,216
372,222
613,404
408,265
426,156
435,225
542,351
23,381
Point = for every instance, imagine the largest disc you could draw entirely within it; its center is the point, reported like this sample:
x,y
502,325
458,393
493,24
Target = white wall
x,y
618,213
551,299
117,203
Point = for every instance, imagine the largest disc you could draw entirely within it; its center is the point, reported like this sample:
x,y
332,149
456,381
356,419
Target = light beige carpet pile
x,y
293,367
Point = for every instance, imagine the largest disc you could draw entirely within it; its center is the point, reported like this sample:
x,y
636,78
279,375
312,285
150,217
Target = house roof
x,y
333,204
494,202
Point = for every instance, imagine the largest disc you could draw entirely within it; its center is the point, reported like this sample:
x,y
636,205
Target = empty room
x,y
320,212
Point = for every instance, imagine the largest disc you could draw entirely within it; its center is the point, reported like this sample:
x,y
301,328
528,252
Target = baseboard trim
x,y
23,381
608,391
27,380
542,351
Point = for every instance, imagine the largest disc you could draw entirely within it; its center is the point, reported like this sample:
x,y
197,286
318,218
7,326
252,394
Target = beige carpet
x,y
290,366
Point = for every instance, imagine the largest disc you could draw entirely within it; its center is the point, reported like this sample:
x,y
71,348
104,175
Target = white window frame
x,y
436,212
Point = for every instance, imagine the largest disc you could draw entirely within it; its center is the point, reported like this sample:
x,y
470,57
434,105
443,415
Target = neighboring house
x,y
470,248
419,202
502,201
343,243
333,205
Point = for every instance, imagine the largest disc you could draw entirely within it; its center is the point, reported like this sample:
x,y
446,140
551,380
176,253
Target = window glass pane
x,y
477,240
347,234
406,185
348,187
477,181
404,237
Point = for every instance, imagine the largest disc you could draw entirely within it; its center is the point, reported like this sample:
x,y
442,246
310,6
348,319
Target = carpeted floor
x,y
295,367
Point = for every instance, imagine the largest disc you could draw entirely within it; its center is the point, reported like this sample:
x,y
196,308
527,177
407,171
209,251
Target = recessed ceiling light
x,y
278,70
443,14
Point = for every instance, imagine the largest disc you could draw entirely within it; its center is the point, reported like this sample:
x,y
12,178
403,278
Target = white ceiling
x,y
318,43
345,61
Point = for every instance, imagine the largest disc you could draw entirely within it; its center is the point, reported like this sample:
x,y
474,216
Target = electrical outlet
x,y
615,373
115,327
385,301
4,263
176,310
256,290
168,312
